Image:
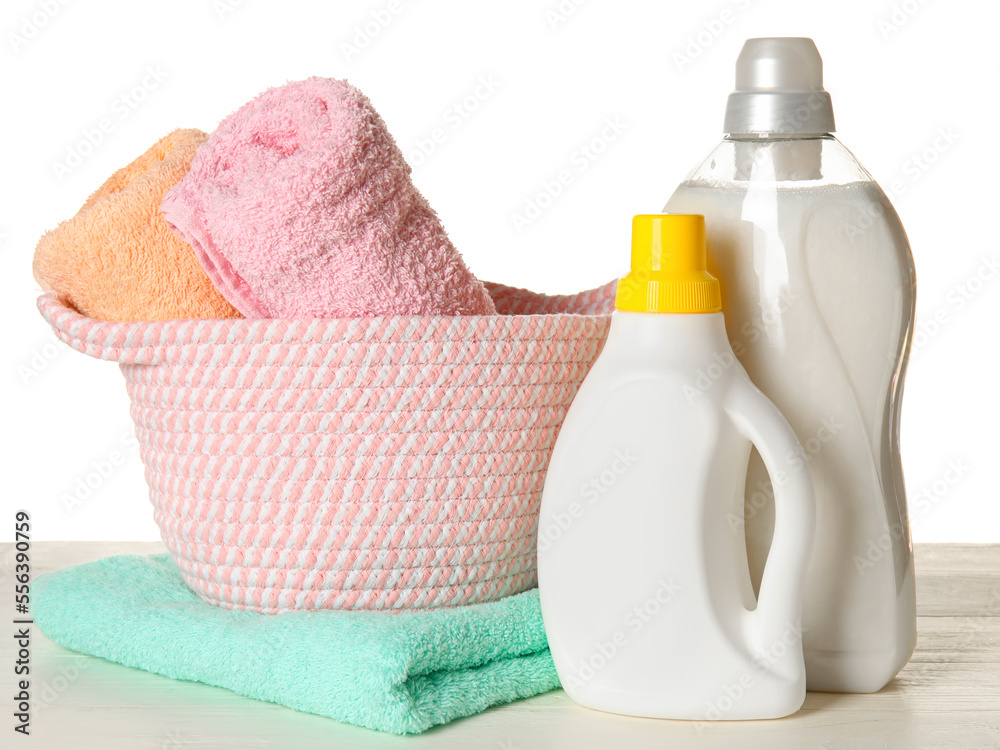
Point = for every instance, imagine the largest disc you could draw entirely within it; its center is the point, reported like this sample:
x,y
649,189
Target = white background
x,y
901,74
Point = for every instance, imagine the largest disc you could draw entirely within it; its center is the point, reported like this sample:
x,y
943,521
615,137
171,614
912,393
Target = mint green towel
x,y
400,673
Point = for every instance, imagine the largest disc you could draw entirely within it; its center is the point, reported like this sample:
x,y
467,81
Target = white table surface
x,y
947,697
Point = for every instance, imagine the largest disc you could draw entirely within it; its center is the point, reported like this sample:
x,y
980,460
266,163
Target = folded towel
x,y
395,672
300,205
118,260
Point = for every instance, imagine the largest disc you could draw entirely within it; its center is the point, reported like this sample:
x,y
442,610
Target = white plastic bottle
x,y
818,293
642,570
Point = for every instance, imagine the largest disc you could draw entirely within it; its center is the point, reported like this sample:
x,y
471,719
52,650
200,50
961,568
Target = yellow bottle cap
x,y
669,267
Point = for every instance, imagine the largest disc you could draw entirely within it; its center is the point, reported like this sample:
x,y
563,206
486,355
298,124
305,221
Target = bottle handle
x,y
782,586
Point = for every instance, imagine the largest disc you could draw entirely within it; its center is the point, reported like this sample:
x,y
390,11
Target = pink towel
x,y
300,205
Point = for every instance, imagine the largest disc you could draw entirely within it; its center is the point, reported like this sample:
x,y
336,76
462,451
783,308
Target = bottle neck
x,y
667,338
781,157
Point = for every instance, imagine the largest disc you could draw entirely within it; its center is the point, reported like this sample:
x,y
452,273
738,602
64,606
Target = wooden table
x,y
948,695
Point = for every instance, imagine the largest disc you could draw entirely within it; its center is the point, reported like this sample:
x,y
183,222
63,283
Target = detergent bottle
x,y
818,291
642,567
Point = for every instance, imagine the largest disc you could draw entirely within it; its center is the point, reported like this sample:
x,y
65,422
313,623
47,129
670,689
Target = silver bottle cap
x,y
779,89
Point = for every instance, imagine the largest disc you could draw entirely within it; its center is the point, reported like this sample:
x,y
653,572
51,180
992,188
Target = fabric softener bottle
x,y
818,294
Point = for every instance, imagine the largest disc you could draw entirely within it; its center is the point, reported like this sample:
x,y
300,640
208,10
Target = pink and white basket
x,y
380,463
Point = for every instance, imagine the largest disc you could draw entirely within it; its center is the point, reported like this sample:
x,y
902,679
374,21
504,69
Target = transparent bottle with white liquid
x,y
818,294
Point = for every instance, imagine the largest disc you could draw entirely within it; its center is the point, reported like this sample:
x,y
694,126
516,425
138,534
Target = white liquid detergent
x,y
644,582
818,295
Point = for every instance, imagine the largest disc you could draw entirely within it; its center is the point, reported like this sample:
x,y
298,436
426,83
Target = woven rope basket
x,y
381,463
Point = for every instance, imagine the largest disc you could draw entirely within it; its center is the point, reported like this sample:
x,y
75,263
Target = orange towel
x,y
118,260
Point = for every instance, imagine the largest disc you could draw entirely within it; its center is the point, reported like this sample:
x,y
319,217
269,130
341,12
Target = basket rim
x,y
585,315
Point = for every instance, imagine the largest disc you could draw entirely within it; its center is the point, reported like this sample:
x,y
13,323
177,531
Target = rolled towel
x,y
300,205
118,260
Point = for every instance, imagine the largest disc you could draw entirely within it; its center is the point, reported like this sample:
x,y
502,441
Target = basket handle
x,y
129,342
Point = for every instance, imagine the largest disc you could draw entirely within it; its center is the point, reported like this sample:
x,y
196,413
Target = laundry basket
x,y
366,463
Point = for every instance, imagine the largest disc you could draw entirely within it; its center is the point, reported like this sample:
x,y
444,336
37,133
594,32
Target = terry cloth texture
x,y
395,672
118,260
300,205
